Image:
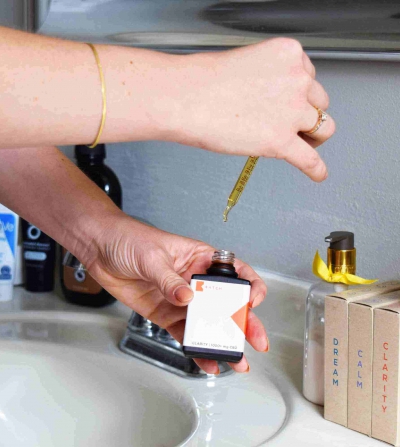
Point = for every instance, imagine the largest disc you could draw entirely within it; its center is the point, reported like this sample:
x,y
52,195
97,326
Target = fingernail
x,y
217,373
267,348
247,370
259,298
184,294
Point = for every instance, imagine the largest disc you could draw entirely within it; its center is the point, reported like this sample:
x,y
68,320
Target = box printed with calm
x,y
217,316
336,346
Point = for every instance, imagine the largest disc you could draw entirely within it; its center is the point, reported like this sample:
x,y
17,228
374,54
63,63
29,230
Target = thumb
x,y
174,288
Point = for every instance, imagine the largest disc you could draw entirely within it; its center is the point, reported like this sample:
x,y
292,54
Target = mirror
x,y
350,25
326,28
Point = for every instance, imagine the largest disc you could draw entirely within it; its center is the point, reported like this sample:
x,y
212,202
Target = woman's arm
x,y
257,100
50,91
145,268
44,187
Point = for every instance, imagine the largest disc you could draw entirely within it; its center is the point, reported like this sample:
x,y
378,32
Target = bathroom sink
x,y
61,396
64,382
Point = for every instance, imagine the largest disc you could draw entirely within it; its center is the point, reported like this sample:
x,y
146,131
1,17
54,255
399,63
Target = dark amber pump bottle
x,y
217,316
77,285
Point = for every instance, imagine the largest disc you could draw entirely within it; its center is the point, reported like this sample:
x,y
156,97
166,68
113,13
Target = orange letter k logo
x,y
199,286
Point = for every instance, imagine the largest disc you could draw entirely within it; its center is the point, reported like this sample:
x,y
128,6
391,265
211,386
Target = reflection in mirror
x,y
318,24
330,28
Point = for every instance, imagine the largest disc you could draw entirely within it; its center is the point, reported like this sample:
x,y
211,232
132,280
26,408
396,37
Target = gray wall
x,y
282,217
12,13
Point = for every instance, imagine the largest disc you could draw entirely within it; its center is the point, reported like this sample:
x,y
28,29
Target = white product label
x,y
217,316
35,256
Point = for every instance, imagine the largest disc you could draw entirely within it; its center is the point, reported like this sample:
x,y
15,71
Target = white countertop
x,y
283,315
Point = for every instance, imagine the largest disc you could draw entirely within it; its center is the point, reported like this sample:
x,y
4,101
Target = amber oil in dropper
x,y
240,185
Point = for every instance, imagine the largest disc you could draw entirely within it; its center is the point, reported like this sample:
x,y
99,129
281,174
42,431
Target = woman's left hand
x,y
149,270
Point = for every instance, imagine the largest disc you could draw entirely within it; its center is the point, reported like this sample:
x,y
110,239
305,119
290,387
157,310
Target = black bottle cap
x,y
83,152
340,240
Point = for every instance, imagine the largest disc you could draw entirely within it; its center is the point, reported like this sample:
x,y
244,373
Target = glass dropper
x,y
240,185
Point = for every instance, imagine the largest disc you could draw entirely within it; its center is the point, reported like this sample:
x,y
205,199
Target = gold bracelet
x,y
103,93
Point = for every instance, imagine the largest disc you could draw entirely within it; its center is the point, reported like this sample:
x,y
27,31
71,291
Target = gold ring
x,y
322,116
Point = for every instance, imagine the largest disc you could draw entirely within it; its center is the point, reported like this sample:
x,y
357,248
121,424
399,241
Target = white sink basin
x,y
62,396
64,382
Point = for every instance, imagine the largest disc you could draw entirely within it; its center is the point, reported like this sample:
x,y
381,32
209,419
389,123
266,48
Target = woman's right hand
x,y
257,100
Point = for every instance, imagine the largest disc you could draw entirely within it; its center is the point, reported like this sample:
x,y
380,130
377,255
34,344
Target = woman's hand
x,y
145,268
256,100
149,270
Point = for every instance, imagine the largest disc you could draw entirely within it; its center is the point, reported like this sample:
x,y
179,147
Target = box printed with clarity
x,y
336,346
386,375
361,319
217,316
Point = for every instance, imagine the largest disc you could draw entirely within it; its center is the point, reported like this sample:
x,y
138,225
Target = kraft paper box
x,y
359,392
385,384
336,345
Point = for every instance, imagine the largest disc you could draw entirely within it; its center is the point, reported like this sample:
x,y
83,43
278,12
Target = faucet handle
x,y
166,338
140,324
163,334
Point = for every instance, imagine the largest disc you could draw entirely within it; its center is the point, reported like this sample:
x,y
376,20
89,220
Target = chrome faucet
x,y
153,344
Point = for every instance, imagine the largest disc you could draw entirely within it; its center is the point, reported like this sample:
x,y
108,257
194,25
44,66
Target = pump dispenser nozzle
x,y
341,252
340,240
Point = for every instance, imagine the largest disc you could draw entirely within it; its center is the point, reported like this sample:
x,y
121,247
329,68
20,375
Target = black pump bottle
x,y
78,286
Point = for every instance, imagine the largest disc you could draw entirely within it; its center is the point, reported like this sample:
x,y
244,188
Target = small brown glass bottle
x,y
76,283
217,316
